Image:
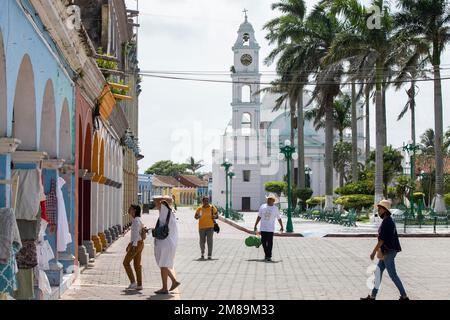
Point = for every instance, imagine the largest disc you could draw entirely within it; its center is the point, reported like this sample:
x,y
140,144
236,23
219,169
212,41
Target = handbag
x,y
143,233
216,225
162,232
27,256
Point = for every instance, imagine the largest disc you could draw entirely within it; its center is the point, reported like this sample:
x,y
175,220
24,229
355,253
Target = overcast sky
x,y
178,119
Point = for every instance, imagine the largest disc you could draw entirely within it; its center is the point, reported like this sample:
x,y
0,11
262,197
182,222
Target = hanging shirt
x,y
63,236
29,193
268,215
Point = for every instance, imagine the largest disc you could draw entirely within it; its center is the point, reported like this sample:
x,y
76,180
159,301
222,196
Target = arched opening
x,y
24,114
65,141
95,155
47,141
246,123
246,94
80,182
87,154
246,39
101,163
3,101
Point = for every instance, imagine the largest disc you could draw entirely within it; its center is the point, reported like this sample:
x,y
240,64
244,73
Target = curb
x,y
241,228
338,235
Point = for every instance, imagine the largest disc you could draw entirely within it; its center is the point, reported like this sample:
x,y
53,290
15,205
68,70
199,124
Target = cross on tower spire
x,y
245,12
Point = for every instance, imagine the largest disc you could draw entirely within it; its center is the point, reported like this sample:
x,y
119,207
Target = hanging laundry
x,y
8,271
63,236
25,285
27,256
43,283
51,204
43,249
9,233
28,194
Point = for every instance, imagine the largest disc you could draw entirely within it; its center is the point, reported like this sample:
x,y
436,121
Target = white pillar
x,y
94,208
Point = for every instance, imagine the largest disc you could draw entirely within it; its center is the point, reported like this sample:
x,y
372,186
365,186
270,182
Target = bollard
x,y
435,221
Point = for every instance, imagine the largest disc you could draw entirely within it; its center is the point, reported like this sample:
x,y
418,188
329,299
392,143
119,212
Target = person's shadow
x,y
264,260
205,260
131,292
161,297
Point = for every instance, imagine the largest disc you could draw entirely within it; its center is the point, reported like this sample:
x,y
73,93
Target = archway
x,y
24,114
3,101
47,141
80,181
65,141
86,185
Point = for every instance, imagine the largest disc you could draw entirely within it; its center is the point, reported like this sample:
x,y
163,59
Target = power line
x,y
309,83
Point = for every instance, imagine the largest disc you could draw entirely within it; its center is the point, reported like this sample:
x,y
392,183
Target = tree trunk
x,y
438,137
384,123
379,137
367,122
413,111
354,136
292,138
329,137
300,141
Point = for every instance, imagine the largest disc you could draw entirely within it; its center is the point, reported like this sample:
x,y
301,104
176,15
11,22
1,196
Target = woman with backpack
x,y
166,240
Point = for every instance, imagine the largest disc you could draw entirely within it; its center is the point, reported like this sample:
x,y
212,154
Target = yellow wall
x,y
185,196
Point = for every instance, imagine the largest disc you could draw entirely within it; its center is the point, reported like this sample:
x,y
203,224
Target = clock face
x,y
246,59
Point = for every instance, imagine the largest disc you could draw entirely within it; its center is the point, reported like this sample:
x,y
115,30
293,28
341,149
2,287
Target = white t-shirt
x,y
268,214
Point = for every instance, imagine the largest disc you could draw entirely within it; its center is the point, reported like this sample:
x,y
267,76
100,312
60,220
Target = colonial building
x,y
252,138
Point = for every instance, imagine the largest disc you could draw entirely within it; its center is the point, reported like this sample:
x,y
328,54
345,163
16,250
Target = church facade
x,y
252,139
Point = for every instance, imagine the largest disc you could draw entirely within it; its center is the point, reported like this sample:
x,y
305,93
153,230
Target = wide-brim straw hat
x,y
386,204
272,196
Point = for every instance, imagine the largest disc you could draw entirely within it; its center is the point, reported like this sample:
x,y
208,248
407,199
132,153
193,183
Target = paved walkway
x,y
303,268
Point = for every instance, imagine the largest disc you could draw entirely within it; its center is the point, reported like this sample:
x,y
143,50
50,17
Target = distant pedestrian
x,y
134,249
206,215
165,249
386,250
268,213
174,202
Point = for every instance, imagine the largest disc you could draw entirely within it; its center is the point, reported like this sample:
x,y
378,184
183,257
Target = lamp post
x,y
227,166
231,175
308,172
288,152
412,149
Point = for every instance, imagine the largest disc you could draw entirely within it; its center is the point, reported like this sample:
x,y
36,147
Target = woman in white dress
x,y
165,249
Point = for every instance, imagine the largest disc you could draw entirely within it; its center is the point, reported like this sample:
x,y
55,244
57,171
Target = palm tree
x,y
287,32
374,49
342,120
430,19
193,165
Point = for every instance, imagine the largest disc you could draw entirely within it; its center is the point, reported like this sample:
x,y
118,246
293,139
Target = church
x,y
252,139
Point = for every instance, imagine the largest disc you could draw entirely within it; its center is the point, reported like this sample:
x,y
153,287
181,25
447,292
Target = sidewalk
x,y
303,268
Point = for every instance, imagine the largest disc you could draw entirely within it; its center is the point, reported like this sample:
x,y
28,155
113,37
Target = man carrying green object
x,y
268,213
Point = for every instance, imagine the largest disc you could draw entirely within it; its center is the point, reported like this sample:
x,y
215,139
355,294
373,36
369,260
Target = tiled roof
x,y
424,163
195,180
165,181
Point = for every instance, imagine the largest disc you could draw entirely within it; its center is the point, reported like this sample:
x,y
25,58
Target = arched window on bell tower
x,y
246,94
246,40
246,124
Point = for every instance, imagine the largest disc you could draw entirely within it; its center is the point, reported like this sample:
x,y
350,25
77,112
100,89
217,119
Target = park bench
x,y
349,219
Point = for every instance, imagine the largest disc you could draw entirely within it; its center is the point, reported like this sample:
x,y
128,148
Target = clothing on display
x,y
27,256
63,236
25,285
8,281
43,249
29,193
51,204
9,233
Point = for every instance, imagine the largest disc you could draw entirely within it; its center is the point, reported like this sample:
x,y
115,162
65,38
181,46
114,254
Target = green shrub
x,y
356,201
315,201
303,195
447,199
392,192
360,187
275,187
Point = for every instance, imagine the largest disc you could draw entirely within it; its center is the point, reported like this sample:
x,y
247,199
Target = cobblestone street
x,y
303,268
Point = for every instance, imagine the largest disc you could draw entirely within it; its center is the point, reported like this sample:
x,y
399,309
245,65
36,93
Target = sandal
x,y
174,285
162,292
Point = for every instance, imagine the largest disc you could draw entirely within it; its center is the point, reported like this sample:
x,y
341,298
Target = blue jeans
x,y
389,264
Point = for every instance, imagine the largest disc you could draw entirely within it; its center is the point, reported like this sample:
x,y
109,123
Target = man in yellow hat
x,y
268,213
386,249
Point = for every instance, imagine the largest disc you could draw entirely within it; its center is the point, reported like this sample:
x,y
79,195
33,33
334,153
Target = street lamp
x,y
231,175
288,152
412,149
308,173
226,164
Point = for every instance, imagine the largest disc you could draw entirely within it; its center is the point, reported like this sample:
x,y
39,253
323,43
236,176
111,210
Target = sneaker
x,y
404,298
209,258
202,257
369,297
268,259
132,286
139,288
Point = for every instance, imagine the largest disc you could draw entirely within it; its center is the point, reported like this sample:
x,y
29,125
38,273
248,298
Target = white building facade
x,y
252,139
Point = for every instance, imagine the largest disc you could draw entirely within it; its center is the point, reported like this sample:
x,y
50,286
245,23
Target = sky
x,y
179,119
